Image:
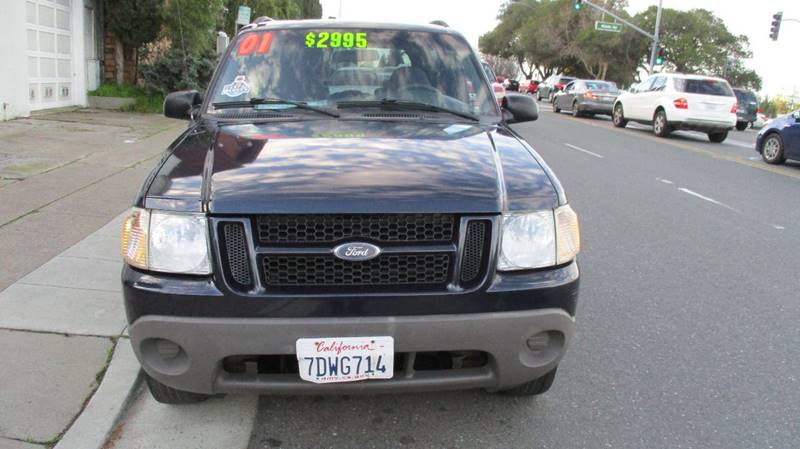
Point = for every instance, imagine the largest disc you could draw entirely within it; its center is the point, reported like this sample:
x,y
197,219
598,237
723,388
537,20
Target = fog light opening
x,y
542,348
164,356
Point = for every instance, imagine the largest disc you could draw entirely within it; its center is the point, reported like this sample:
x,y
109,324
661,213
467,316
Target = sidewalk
x,y
63,176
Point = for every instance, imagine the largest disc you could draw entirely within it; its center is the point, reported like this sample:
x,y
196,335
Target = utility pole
x,y
655,38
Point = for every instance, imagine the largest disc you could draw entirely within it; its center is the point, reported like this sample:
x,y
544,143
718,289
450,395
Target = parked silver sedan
x,y
586,97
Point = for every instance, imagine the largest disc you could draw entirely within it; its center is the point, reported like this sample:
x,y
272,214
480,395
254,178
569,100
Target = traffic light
x,y
661,55
578,5
776,25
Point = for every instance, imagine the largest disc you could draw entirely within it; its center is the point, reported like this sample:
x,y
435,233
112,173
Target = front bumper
x,y
206,342
210,325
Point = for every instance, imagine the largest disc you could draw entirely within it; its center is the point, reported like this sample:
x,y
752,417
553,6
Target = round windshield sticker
x,y
238,87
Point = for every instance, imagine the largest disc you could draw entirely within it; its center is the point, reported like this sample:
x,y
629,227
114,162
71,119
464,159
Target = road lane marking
x,y
584,150
778,227
665,181
710,200
709,153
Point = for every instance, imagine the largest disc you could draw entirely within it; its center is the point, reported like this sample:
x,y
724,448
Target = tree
x,y
134,23
505,67
547,37
276,9
312,9
191,24
697,41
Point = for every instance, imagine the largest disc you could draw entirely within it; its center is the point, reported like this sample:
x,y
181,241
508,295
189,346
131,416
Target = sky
x,y
776,62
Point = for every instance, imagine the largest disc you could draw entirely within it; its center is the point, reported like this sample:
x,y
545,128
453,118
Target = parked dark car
x,y
511,85
747,109
551,85
296,239
779,139
586,97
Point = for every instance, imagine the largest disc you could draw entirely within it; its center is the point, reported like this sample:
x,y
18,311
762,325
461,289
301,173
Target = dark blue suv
x,y
780,139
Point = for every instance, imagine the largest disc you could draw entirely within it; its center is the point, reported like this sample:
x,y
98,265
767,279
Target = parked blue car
x,y
780,139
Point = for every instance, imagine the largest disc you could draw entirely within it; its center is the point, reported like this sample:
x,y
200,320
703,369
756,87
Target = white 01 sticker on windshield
x,y
238,87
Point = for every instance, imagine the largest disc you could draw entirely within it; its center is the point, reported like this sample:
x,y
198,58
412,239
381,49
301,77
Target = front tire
x,y
741,126
660,126
718,137
534,387
556,109
168,395
618,116
772,150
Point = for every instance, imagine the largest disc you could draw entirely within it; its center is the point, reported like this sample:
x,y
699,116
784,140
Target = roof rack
x,y
441,23
263,19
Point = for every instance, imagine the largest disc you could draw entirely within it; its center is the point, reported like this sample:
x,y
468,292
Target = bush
x,y
172,71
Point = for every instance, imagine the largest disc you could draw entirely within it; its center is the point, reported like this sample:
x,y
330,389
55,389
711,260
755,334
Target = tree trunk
x,y
129,73
119,64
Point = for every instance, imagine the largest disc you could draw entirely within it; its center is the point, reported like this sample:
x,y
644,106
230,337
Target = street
x,y
688,312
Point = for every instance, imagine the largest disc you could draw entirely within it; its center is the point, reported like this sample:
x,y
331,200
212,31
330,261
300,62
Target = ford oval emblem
x,y
356,251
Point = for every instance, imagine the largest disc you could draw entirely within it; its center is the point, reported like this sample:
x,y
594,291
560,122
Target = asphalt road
x,y
689,313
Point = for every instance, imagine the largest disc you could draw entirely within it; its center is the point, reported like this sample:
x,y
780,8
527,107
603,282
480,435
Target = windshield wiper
x,y
256,101
406,105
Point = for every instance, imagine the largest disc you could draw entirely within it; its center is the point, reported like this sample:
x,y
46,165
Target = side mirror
x,y
519,108
179,104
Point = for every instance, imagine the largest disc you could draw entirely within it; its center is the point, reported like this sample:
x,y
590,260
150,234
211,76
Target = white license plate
x,y
347,359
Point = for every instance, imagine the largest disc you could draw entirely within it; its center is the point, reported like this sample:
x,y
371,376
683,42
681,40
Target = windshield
x,y
326,67
703,86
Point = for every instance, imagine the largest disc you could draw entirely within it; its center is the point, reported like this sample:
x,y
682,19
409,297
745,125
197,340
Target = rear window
x,y
745,96
703,87
601,86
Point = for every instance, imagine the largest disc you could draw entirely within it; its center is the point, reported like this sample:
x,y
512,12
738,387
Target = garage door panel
x,y
49,44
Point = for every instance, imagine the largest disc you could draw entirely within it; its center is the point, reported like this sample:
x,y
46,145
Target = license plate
x,y
348,359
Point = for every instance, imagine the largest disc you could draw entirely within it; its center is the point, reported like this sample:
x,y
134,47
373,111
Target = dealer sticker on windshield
x,y
348,359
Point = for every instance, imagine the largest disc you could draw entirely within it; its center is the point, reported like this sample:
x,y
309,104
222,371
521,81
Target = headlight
x,y
166,242
539,239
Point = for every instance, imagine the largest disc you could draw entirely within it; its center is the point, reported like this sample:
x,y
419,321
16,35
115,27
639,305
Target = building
x,y
49,55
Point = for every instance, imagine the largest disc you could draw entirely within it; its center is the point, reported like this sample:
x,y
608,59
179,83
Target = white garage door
x,y
50,49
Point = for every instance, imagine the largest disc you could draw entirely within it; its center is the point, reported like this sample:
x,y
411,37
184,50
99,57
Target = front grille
x,y
236,260
326,270
474,249
386,228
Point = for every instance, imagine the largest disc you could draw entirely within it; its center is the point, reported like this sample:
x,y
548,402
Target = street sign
x,y
244,15
608,26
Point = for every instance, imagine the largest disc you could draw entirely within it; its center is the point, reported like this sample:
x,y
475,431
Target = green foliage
x,y
276,9
173,70
549,36
697,41
191,24
312,9
145,101
134,22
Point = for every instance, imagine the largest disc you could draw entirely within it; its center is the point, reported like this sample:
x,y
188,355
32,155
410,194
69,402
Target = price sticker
x,y
336,39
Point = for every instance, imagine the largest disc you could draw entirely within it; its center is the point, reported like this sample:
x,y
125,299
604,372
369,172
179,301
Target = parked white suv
x,y
671,101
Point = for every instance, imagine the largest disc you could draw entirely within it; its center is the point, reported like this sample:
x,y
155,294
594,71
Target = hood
x,y
336,166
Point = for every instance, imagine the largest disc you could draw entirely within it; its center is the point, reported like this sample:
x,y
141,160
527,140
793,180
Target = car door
x,y
634,105
648,99
565,98
791,137
544,89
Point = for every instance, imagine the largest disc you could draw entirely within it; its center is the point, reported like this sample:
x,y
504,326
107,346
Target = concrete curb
x,y
93,427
